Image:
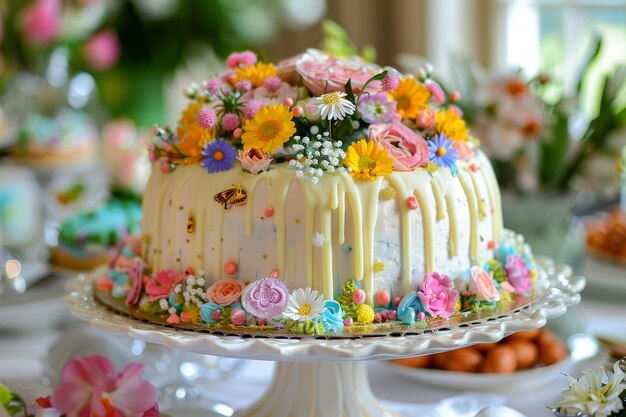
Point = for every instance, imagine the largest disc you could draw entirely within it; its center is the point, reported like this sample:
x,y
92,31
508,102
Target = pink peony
x,y
102,51
438,295
408,149
225,291
91,387
241,59
162,284
518,274
254,161
41,22
482,286
322,73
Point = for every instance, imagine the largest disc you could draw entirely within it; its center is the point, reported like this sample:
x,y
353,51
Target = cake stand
x,y
328,377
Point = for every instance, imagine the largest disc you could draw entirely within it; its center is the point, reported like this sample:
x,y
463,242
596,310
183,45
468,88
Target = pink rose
x,y
426,119
322,73
408,149
162,284
102,51
438,295
482,286
225,291
518,274
41,22
254,161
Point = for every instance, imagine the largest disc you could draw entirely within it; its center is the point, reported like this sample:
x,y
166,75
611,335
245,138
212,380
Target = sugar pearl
x,y
421,316
268,212
358,296
383,297
411,203
238,317
348,322
274,273
288,101
230,267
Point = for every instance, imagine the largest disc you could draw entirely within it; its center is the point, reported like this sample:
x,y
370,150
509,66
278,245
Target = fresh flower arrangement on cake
x,y
323,122
89,386
595,394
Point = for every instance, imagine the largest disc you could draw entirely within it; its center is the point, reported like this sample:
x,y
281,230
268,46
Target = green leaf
x,y
594,52
553,152
5,395
349,91
335,40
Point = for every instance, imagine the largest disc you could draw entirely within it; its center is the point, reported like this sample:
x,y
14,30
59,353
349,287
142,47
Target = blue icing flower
x,y
409,307
206,312
120,283
172,302
503,251
332,316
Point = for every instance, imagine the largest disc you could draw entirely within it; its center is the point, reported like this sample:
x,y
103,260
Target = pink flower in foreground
x,y
91,387
438,295
41,22
102,51
162,284
518,274
482,286
408,149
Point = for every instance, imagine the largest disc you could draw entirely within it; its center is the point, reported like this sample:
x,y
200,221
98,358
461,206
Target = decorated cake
x,y
318,195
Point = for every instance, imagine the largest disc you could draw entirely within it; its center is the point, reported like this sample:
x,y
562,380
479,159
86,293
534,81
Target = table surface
x,y
21,359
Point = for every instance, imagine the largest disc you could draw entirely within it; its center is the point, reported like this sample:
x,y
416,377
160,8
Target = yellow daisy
x,y
367,161
256,73
192,136
411,97
269,130
452,125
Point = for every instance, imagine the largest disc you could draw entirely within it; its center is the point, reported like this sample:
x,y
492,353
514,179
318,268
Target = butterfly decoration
x,y
191,223
237,196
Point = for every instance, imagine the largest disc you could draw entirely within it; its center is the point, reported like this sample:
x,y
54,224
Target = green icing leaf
x,y
345,299
225,315
152,307
309,327
499,274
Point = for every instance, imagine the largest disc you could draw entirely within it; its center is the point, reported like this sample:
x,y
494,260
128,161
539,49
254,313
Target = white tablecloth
x,y
20,363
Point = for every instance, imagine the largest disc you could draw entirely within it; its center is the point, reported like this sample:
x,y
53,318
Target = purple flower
x,y
442,153
438,295
266,298
376,108
218,155
517,274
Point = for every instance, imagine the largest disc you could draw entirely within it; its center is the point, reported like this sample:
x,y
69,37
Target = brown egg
x,y
484,347
440,360
526,335
526,353
464,360
545,337
416,362
551,353
500,360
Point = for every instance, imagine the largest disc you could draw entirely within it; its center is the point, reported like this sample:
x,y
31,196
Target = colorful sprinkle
x,y
491,245
412,203
348,322
379,266
173,319
388,193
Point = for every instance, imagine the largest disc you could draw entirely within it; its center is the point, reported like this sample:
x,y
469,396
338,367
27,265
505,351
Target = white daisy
x,y
333,105
304,304
594,393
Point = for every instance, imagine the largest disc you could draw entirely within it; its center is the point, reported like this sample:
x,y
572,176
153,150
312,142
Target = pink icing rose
x,y
102,51
254,161
162,284
225,291
322,73
482,286
518,274
438,295
408,149
266,298
41,22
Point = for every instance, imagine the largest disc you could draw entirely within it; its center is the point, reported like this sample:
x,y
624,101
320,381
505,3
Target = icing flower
x,y
482,286
332,316
135,276
322,73
333,106
409,308
218,155
266,298
408,149
442,153
254,161
162,284
91,387
376,108
518,274
438,295
210,312
304,304
225,291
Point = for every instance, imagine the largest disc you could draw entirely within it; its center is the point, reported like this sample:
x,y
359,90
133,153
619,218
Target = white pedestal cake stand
x,y
328,377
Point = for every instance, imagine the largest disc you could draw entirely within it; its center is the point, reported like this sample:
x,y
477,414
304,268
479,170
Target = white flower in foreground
x,y
594,393
333,105
304,304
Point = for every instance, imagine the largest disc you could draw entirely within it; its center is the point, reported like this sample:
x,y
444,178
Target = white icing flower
x,y
304,304
317,239
595,393
333,105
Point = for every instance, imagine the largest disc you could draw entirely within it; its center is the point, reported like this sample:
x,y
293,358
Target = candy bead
x,y
230,267
411,203
238,317
268,212
358,296
383,297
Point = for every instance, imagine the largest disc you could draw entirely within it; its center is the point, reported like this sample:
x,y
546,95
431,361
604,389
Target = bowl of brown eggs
x,y
523,359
